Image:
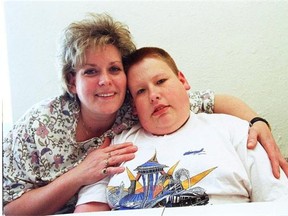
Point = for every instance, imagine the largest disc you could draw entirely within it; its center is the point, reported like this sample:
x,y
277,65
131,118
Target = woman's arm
x,y
47,199
233,106
259,131
50,198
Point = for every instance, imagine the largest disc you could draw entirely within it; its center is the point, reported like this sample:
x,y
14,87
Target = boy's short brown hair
x,y
146,52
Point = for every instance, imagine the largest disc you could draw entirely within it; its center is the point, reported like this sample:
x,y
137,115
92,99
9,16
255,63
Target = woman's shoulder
x,y
61,103
58,107
54,117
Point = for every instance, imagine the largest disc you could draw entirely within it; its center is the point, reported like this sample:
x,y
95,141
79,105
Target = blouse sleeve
x,y
36,150
202,101
17,163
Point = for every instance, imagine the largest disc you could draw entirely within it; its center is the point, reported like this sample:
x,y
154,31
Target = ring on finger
x,y
104,171
106,163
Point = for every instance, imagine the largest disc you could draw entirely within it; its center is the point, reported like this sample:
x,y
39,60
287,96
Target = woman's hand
x,y
261,132
104,161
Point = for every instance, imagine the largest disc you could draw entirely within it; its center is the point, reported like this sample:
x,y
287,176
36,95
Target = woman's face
x,y
100,83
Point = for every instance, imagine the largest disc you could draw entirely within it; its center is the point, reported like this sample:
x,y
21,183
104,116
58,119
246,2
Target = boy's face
x,y
159,95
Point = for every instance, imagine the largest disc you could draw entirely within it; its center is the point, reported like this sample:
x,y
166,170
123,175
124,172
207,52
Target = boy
x,y
182,158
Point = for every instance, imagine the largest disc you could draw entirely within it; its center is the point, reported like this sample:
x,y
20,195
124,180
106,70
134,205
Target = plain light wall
x,y
232,47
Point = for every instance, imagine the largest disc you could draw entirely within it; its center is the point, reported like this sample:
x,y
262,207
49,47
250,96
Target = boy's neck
x,y
174,130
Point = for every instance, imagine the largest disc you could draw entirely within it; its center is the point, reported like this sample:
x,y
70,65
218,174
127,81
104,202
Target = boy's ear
x,y
183,80
72,82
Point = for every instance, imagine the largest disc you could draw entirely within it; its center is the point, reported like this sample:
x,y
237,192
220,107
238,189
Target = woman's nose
x,y
104,79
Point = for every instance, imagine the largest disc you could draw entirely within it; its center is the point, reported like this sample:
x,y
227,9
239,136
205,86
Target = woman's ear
x,y
71,79
183,80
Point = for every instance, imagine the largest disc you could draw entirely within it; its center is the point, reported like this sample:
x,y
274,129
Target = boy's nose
x,y
154,97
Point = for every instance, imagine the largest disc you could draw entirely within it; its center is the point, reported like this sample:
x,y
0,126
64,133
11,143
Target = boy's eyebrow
x,y
159,74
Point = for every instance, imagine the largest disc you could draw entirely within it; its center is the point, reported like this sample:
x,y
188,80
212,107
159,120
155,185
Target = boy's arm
x,y
92,207
264,186
92,198
259,131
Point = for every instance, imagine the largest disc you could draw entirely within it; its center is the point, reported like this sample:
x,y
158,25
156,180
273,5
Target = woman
x,y
50,153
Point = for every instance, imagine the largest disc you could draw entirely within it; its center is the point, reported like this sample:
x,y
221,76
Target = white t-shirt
x,y
205,157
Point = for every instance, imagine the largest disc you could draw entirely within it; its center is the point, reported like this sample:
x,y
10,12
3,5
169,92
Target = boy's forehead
x,y
149,68
150,64
151,61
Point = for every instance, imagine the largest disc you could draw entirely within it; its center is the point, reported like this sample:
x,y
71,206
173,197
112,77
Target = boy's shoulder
x,y
222,121
219,117
125,134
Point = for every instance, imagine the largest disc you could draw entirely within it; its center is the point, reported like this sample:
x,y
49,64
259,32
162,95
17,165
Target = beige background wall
x,y
234,47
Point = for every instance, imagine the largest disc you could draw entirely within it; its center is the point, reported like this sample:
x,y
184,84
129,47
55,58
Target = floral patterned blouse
x,y
42,146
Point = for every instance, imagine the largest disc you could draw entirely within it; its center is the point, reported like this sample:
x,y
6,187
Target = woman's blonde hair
x,y
97,30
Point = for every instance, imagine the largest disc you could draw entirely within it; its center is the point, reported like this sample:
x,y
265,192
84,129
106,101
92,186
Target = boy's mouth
x,y
160,109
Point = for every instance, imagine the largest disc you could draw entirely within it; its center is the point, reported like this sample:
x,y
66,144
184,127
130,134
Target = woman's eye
x,y
90,72
115,69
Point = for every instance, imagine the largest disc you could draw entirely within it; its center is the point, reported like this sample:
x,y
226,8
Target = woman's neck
x,y
93,126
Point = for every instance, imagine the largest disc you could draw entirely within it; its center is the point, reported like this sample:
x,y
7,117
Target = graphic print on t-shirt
x,y
201,151
153,187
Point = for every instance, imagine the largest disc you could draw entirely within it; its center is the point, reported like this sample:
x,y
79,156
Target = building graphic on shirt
x,y
158,188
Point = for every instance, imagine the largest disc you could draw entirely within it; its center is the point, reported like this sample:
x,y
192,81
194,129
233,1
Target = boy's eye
x,y
161,81
140,91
